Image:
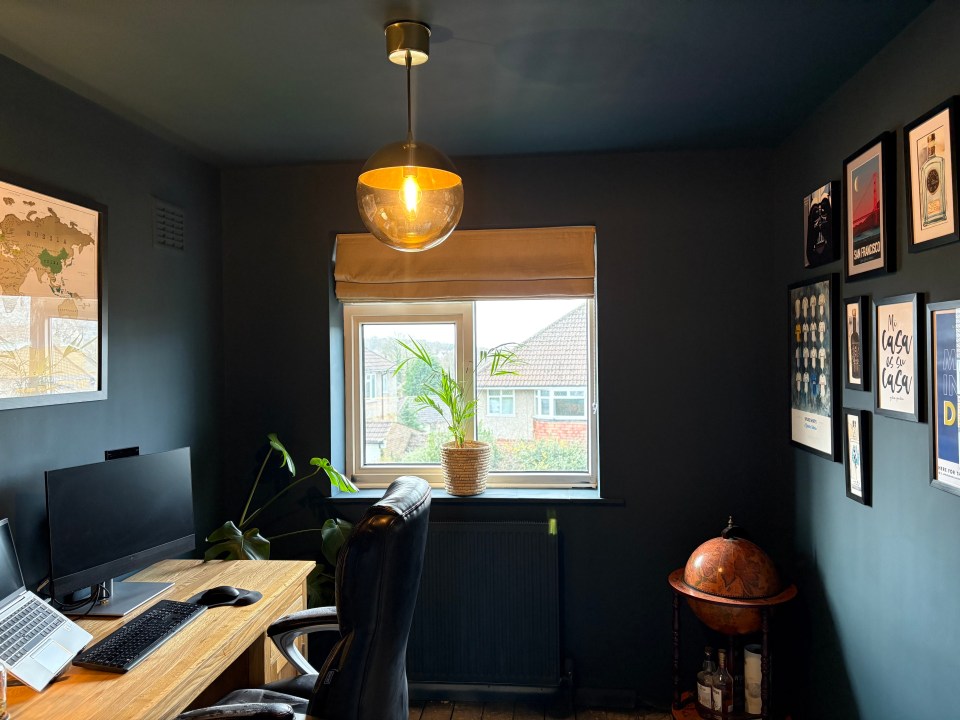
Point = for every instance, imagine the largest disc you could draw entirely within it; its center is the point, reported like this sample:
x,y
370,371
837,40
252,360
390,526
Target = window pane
x,y
545,427
499,402
568,408
396,429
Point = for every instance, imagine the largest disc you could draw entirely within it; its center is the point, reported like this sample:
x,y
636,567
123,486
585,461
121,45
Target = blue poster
x,y
811,367
948,447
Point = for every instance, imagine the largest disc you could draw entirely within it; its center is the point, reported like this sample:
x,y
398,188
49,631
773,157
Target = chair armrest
x,y
284,632
242,711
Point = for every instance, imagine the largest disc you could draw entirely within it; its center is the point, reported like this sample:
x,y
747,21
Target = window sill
x,y
495,496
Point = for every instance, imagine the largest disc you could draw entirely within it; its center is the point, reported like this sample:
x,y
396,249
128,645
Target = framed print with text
x,y
821,234
814,340
856,374
943,330
869,193
898,342
856,454
931,175
52,317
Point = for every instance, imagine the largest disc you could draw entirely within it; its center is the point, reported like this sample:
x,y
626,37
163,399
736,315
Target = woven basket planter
x,y
465,468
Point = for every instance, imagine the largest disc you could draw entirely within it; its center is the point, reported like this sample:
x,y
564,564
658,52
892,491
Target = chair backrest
x,y
378,577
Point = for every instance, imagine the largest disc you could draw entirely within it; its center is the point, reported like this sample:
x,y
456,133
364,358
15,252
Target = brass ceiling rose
x,y
405,35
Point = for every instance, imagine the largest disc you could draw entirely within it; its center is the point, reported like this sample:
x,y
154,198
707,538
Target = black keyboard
x,y
126,646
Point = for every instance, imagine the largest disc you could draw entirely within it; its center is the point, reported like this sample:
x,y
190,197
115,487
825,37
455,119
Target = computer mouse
x,y
217,595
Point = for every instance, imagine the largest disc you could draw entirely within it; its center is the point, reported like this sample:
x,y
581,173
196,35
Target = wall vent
x,y
167,225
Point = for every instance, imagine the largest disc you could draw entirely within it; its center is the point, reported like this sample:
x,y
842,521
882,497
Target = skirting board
x,y
613,698
421,692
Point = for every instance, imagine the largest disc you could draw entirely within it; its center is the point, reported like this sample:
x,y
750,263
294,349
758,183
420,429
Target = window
x,y
536,419
371,386
500,402
531,289
561,404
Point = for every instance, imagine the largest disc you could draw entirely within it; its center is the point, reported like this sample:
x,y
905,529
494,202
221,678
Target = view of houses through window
x,y
538,418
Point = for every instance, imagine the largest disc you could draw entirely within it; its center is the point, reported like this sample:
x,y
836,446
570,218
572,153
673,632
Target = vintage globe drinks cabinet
x,y
732,586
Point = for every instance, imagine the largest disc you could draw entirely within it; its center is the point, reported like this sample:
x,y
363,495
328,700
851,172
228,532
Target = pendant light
x,y
409,193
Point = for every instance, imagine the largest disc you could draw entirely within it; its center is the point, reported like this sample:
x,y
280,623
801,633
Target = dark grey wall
x,y
879,586
163,307
694,253
685,382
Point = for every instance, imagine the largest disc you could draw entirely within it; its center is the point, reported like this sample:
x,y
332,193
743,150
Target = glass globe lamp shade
x,y
410,196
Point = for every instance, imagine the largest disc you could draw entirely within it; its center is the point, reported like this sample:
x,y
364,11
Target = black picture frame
x,y
856,335
932,188
943,331
68,227
822,234
856,455
898,342
870,208
813,375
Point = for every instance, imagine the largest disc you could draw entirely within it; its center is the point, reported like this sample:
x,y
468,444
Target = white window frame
x,y
461,315
501,394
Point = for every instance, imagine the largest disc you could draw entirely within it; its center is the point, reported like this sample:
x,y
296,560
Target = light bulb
x,y
409,196
410,193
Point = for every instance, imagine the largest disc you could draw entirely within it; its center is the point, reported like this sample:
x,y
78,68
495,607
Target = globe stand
x,y
764,607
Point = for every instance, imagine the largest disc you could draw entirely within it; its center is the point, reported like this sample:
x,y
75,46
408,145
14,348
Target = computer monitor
x,y
111,518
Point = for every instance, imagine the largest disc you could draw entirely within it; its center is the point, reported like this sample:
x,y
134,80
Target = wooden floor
x,y
520,711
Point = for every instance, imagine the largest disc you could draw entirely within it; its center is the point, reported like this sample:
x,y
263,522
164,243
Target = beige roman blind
x,y
470,265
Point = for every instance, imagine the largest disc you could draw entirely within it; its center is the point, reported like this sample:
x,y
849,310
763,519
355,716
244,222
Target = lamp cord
x,y
409,115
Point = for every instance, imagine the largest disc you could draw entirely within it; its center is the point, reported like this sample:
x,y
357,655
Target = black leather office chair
x,y
365,675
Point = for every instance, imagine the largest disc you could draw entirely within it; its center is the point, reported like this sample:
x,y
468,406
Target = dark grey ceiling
x,y
287,81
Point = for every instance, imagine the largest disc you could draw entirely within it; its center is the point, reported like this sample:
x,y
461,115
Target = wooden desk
x,y
223,649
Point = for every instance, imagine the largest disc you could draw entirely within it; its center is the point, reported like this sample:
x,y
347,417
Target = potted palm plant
x,y
465,463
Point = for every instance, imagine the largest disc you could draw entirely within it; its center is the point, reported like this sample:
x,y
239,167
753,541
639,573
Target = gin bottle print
x,y
933,201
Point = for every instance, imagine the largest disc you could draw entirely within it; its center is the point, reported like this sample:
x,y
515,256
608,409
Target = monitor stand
x,y
125,597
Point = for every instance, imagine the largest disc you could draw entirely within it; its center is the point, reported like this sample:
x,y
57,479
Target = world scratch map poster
x,y
50,314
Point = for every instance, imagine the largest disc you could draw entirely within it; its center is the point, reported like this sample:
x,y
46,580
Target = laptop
x,y
36,641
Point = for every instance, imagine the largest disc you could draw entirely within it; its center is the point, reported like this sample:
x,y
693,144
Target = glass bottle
x,y
705,679
933,189
722,687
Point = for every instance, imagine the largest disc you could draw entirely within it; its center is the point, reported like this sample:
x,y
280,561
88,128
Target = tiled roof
x,y
427,416
554,357
375,430
397,439
374,362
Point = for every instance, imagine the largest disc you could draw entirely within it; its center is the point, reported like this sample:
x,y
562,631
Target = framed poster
x,y
898,343
821,237
814,337
52,319
869,181
856,454
857,336
931,177
943,329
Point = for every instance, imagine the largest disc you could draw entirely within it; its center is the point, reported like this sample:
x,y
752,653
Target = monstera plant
x,y
242,540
